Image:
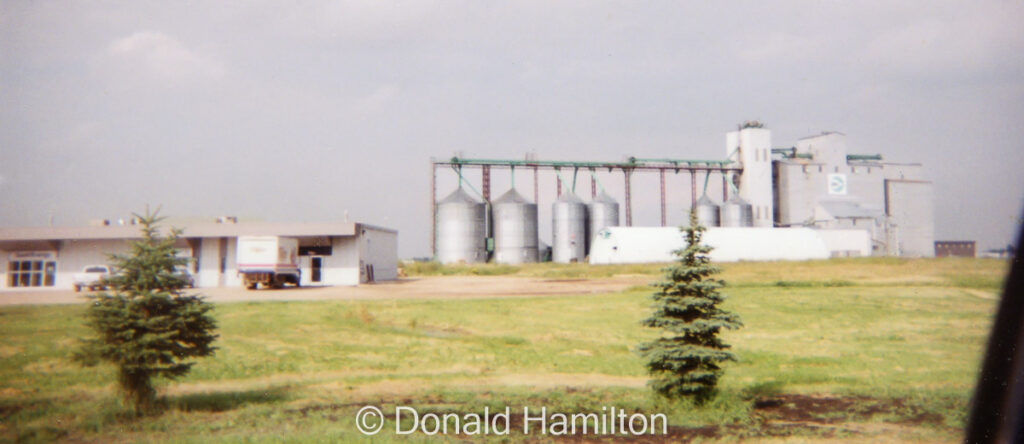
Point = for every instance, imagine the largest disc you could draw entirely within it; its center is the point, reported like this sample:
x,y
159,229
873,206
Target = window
x,y
31,273
316,251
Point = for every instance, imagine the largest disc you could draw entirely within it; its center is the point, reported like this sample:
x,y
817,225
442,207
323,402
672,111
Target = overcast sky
x,y
308,111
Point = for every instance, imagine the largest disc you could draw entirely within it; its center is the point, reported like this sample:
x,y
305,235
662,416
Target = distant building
x,y
955,248
329,254
819,184
813,200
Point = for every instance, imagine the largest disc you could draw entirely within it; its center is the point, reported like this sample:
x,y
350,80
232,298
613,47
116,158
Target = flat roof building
x,y
329,253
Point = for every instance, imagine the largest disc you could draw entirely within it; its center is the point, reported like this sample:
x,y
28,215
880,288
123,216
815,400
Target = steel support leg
x,y
725,186
433,209
693,189
661,173
629,201
485,184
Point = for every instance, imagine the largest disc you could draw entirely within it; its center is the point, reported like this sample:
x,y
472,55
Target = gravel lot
x,y
434,287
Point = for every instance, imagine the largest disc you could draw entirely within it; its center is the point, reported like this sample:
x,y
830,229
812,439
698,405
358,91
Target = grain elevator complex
x,y
812,200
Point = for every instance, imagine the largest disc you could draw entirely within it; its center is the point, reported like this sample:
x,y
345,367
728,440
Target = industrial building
x,y
819,184
812,200
328,254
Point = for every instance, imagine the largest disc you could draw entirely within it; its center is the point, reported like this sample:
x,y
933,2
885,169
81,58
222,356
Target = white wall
x,y
341,267
231,277
630,245
847,243
73,256
209,263
911,218
378,248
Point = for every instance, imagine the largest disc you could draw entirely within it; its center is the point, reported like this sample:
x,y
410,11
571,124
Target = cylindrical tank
x,y
707,212
603,212
515,229
461,229
736,212
569,229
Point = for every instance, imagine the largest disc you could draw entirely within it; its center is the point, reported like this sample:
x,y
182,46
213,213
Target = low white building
x,y
329,254
634,245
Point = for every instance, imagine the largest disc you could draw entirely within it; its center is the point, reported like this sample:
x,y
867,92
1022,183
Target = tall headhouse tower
x,y
751,145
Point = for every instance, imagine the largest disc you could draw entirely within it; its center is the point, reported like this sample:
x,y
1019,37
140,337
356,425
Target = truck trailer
x,y
271,261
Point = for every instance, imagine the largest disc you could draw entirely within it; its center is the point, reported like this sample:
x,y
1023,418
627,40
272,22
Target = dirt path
x,y
981,294
434,287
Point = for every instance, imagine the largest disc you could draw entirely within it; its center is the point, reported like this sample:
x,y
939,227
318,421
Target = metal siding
x,y
707,212
569,229
461,229
911,218
515,229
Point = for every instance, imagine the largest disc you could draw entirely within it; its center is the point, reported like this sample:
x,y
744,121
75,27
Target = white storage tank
x,y
515,229
569,229
603,212
461,229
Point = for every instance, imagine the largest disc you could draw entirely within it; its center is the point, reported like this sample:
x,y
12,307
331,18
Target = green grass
x,y
905,334
985,274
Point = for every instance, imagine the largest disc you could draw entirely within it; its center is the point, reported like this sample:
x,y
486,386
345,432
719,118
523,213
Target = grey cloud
x,y
328,107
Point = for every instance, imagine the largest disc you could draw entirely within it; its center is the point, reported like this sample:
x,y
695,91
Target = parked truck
x,y
271,261
91,277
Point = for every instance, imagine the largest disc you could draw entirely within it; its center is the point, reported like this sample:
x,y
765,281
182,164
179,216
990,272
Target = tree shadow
x,y
224,401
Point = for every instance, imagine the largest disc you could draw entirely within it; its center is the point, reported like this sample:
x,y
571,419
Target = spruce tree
x,y
145,325
686,361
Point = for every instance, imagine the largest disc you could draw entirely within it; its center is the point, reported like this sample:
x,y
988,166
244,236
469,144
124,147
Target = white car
x,y
92,276
186,277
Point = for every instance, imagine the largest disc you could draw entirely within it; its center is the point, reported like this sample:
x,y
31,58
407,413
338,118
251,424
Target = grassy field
x,y
833,351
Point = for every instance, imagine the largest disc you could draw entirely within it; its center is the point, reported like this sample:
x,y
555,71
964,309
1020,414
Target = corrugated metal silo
x,y
603,212
707,212
736,212
461,229
515,229
569,229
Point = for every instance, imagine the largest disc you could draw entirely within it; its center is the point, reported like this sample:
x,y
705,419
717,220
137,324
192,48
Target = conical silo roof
x,y
511,196
603,197
569,196
458,196
736,199
705,200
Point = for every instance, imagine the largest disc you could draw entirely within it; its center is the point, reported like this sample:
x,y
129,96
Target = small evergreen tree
x,y
686,360
146,326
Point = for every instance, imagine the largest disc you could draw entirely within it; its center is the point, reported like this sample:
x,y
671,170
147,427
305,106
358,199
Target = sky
x,y
308,111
